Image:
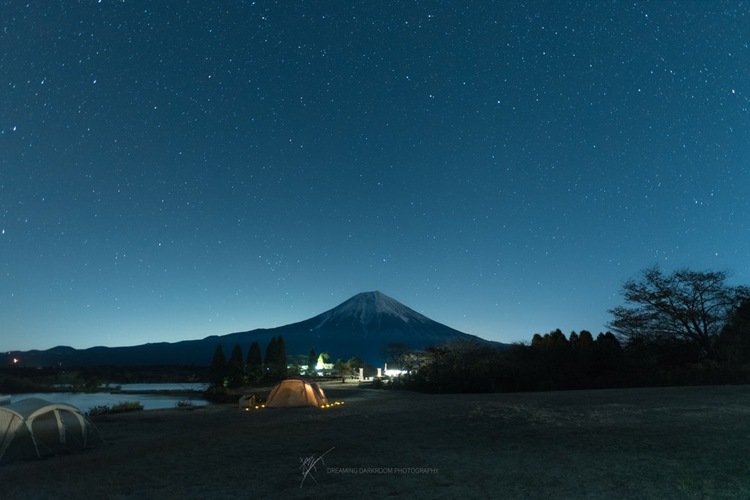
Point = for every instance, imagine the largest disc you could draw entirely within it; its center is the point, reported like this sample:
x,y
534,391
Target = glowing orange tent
x,y
296,392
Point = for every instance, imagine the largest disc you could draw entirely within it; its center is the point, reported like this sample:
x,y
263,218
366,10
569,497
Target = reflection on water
x,y
85,401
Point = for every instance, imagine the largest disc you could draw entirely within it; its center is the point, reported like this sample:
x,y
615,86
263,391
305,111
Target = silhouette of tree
x,y
281,358
269,360
401,355
312,361
254,363
236,368
687,306
734,341
458,366
556,340
343,368
573,340
585,341
218,369
608,360
275,361
582,360
555,366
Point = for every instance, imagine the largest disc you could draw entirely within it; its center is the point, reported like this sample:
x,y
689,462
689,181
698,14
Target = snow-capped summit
x,y
370,309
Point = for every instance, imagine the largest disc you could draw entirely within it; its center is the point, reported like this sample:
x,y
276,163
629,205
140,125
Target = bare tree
x,y
400,354
686,305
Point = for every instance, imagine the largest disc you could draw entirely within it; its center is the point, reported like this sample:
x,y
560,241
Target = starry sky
x,y
173,170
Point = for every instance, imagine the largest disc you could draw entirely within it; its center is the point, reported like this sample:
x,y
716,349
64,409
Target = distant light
x,y
15,360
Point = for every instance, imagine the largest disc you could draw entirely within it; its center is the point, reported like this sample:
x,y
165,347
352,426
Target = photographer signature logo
x,y
309,464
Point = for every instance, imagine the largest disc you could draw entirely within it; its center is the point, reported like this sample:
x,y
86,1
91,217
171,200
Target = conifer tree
x,y
281,360
254,363
312,361
236,368
218,369
275,361
270,360
270,356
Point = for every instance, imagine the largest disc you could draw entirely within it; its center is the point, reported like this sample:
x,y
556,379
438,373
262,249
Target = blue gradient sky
x,y
173,170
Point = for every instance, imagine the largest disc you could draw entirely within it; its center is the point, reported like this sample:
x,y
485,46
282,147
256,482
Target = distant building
x,y
392,372
323,368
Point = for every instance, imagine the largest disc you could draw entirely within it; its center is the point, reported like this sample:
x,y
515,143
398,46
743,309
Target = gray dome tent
x,y
34,427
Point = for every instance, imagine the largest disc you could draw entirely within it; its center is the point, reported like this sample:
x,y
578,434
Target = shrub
x,y
127,406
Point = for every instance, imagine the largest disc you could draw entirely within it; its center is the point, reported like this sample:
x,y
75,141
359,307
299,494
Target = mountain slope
x,y
364,325
361,326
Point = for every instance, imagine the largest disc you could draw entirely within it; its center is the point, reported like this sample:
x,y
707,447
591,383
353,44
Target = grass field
x,y
687,442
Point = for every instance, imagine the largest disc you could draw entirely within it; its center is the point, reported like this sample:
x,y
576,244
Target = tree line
x,y
238,370
682,328
255,368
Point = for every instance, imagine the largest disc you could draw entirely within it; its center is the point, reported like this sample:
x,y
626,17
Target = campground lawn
x,y
684,442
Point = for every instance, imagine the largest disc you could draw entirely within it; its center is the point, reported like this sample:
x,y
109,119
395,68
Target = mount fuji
x,y
361,326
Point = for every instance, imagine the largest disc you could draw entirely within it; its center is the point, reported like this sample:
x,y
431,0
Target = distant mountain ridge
x,y
361,326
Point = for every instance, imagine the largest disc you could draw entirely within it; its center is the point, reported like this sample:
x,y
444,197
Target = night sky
x,y
173,170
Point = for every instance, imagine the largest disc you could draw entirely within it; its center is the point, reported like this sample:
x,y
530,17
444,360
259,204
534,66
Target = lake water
x,y
87,401
189,386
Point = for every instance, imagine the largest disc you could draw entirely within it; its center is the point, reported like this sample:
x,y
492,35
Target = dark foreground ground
x,y
636,443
